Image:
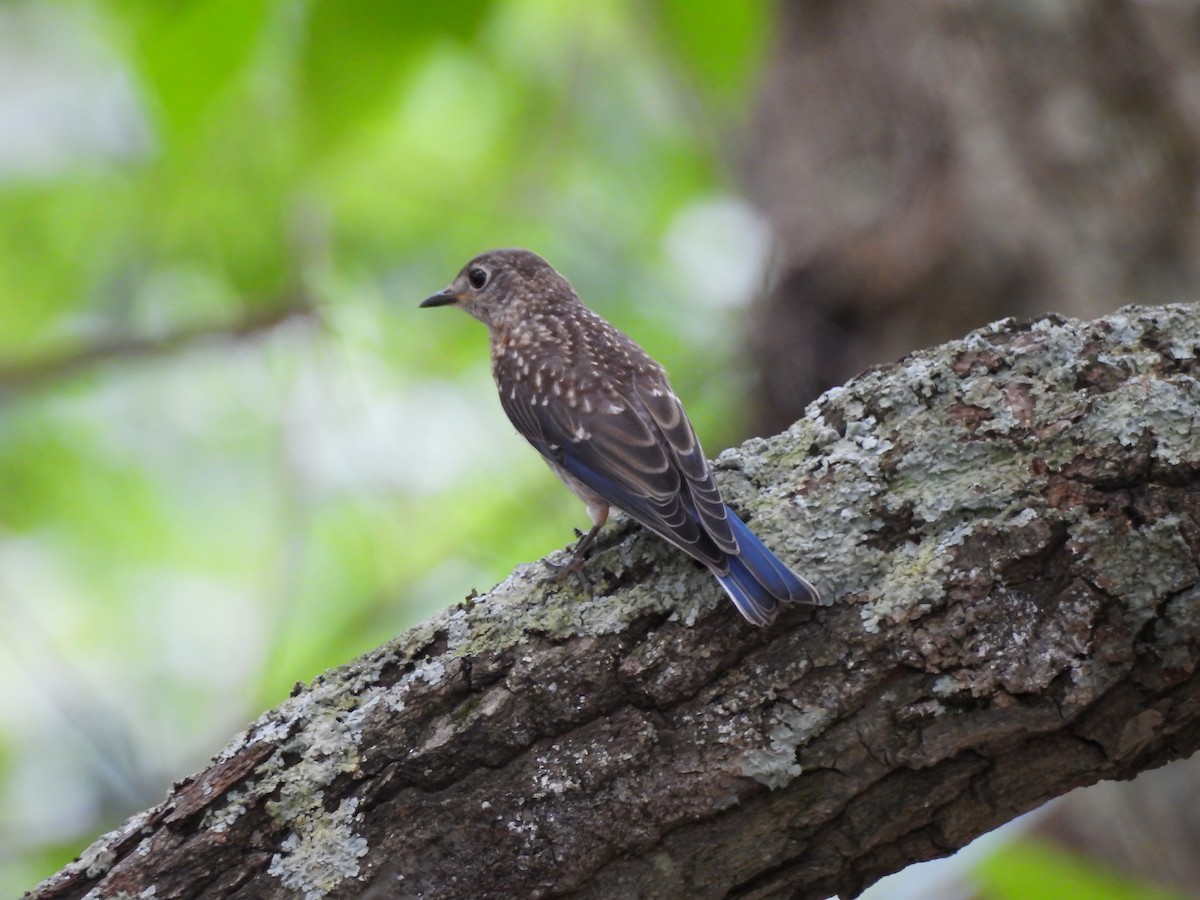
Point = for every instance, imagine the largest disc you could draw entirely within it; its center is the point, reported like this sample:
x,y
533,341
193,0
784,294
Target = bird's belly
x,y
597,506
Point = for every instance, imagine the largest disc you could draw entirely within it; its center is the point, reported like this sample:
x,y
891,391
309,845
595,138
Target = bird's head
x,y
504,287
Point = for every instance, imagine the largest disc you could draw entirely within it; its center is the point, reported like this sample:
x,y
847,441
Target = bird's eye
x,y
478,278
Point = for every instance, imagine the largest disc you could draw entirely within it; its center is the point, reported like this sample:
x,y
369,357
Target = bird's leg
x,y
598,512
585,542
576,565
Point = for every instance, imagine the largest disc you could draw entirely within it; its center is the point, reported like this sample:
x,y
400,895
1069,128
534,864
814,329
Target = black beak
x,y
441,298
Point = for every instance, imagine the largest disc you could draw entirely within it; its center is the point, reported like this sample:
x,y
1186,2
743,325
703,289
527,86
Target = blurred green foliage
x,y
232,451
1038,870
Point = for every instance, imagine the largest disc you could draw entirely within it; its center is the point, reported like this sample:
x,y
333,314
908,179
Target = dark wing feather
x,y
672,423
618,449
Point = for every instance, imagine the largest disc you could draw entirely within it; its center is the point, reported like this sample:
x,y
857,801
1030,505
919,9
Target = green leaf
x,y
721,44
190,52
356,52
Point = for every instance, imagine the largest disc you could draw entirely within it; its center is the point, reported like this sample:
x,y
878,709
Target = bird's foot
x,y
576,566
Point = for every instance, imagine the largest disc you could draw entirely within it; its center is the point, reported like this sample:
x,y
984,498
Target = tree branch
x,y
1007,528
36,373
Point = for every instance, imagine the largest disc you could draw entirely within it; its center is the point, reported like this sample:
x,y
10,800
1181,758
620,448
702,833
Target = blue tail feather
x,y
758,581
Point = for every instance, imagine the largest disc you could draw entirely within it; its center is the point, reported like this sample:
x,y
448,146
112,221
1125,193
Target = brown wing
x,y
637,450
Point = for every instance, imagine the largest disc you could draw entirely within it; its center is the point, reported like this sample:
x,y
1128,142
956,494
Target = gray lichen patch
x,y
912,584
320,853
1017,404
220,818
530,599
1143,565
318,735
1120,415
774,764
97,860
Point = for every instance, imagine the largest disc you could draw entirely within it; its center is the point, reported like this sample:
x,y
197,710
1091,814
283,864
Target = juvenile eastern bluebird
x,y
603,415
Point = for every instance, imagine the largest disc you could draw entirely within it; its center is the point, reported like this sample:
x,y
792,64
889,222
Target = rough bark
x,y
1006,529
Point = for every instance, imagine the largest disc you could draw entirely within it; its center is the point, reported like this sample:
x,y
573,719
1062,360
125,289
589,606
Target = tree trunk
x,y
1006,529
928,167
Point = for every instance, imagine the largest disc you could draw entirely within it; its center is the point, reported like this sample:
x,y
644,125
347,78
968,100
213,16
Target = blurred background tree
x,y
233,453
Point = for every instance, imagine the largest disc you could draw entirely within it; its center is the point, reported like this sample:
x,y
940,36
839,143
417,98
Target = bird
x,y
602,414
